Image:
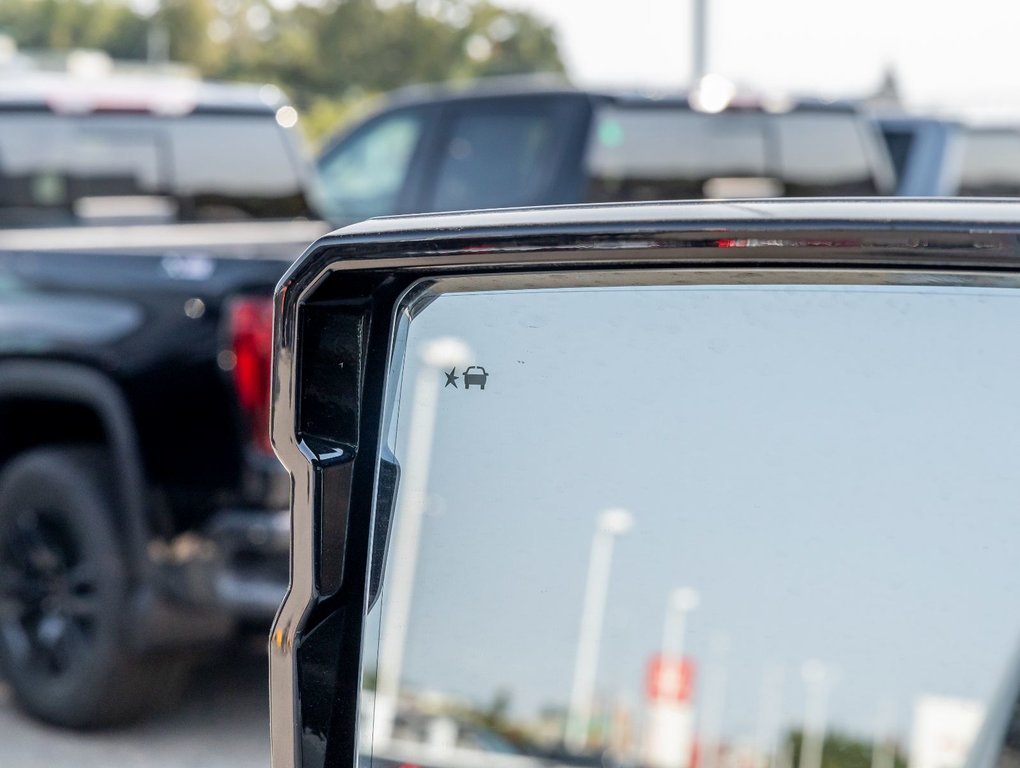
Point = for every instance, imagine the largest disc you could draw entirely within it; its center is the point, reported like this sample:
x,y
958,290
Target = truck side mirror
x,y
665,485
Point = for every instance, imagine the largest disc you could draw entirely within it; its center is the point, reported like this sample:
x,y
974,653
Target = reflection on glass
x,y
363,177
495,159
989,163
55,171
700,527
661,152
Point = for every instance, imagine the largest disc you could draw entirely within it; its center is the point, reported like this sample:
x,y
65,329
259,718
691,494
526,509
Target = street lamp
x,y
436,356
611,523
883,753
817,682
699,40
713,700
682,601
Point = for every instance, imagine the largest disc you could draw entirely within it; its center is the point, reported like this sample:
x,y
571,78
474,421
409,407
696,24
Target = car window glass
x,y
213,156
991,164
660,153
824,153
643,153
494,159
364,176
689,525
58,169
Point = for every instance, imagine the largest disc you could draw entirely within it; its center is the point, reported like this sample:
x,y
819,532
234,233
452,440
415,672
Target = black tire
x,y
63,596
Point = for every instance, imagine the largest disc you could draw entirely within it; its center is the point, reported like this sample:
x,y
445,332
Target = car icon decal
x,y
475,375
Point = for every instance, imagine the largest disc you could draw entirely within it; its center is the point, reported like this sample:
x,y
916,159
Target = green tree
x,y
840,751
518,43
59,25
327,55
188,25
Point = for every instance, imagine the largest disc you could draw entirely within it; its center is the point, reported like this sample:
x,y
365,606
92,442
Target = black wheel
x,y
63,594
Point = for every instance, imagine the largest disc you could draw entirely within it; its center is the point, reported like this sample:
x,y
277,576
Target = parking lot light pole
x,y
713,701
699,41
682,601
817,680
611,523
436,356
883,753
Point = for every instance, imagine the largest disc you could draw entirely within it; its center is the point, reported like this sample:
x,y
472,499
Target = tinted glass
x,y
63,169
495,159
823,154
364,176
899,143
689,525
991,164
648,153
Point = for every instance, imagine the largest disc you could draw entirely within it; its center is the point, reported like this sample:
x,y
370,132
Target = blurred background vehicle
x,y
430,733
514,143
444,739
142,511
146,148
935,157
116,112
991,162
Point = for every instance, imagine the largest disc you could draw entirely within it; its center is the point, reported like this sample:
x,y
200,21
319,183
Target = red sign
x,y
669,678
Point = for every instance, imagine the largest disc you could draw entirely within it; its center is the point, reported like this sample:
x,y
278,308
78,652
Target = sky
x,y
957,58
833,470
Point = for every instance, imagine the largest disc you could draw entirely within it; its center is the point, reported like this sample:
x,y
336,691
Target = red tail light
x,y
251,339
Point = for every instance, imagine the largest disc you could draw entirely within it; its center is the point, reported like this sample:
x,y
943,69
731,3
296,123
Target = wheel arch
x,y
98,403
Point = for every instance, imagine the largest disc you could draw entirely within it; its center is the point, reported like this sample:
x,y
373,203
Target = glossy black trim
x,y
315,651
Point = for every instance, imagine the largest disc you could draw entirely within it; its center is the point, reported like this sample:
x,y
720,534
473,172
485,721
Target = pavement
x,y
222,722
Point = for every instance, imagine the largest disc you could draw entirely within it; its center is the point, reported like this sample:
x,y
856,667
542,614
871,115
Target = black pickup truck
x,y
142,512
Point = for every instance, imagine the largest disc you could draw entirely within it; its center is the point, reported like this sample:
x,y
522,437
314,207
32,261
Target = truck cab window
x,y
364,175
145,168
990,163
495,158
828,153
673,152
654,153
